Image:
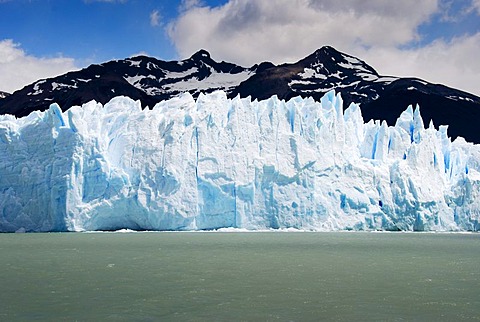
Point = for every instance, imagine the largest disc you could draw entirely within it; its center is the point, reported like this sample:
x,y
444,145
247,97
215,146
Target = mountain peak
x,y
328,49
323,55
201,54
334,60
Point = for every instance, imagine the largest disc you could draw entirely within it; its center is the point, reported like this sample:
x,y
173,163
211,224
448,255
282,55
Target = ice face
x,y
216,162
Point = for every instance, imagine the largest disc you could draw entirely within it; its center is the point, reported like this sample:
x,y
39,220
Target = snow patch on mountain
x,y
215,80
456,98
177,75
135,80
312,73
134,63
36,88
63,86
386,79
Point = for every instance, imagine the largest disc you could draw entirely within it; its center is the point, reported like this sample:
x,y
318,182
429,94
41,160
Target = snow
x,y
386,79
134,63
217,163
359,94
335,86
175,75
354,63
59,85
352,60
135,80
214,81
299,82
456,98
312,73
356,66
151,66
352,84
36,88
188,82
337,75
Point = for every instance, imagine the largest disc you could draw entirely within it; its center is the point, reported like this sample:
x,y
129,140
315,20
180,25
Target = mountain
x,y
3,94
220,163
381,97
151,80
142,78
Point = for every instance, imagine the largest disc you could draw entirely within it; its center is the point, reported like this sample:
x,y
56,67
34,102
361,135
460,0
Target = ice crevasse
x,y
215,162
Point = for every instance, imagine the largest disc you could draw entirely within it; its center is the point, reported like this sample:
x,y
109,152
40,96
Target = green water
x,y
239,277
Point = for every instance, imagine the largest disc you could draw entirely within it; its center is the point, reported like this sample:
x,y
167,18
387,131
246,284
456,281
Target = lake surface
x,y
261,276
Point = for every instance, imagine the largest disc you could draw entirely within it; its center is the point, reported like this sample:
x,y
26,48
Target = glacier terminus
x,y
215,162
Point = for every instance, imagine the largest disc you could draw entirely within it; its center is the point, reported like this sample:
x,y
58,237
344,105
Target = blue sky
x,y
89,30
438,40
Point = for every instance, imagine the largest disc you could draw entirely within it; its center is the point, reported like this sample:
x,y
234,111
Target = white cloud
x,y
476,6
247,31
251,31
154,18
18,69
190,4
454,63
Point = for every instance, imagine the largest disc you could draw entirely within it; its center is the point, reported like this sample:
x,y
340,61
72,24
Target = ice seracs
x,y
217,162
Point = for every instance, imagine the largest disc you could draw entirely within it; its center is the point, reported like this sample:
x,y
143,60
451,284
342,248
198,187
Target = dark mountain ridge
x,y
151,80
3,94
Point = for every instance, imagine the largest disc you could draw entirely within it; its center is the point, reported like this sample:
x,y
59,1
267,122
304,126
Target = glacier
x,y
214,163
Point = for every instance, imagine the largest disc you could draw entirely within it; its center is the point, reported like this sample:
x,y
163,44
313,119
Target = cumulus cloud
x,y
476,6
18,69
155,18
247,31
380,32
454,63
189,4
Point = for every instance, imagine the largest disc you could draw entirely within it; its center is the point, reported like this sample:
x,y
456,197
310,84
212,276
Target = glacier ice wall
x,y
216,162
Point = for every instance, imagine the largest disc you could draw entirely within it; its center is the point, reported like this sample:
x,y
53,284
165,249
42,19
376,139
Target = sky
x,y
436,40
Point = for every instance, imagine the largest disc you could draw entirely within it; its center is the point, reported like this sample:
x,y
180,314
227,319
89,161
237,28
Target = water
x,y
239,276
